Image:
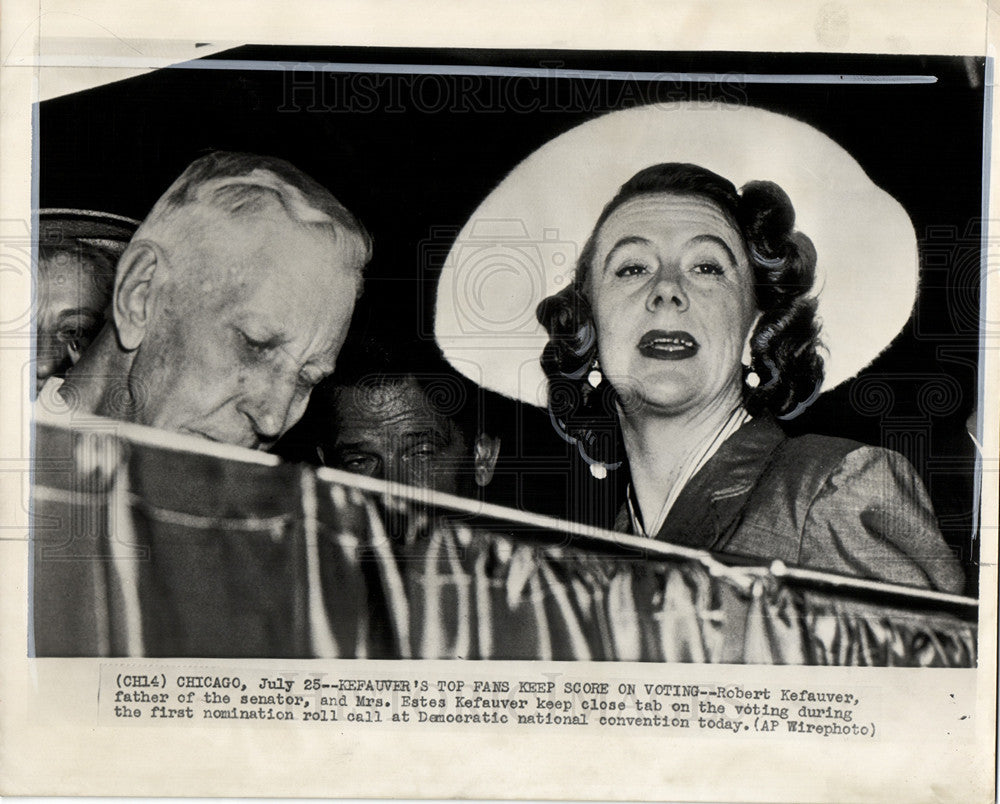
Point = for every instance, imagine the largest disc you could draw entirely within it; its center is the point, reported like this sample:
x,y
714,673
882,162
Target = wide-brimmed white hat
x,y
522,243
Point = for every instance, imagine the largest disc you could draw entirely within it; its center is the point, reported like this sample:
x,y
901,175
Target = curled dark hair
x,y
784,344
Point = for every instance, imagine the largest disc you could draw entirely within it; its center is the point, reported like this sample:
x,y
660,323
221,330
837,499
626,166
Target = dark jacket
x,y
813,501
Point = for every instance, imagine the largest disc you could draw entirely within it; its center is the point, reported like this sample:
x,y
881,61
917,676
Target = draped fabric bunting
x,y
145,549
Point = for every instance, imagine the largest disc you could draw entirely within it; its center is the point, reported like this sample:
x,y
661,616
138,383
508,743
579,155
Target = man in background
x,y
399,418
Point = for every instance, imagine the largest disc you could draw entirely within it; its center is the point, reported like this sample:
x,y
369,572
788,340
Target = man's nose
x,y
394,470
668,288
269,407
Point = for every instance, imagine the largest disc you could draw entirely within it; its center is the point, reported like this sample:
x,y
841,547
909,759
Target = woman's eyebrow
x,y
631,240
710,238
81,311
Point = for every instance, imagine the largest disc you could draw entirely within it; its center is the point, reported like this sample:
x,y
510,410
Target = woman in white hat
x,y
687,321
691,319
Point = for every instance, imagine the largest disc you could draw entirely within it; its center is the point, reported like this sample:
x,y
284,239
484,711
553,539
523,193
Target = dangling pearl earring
x,y
750,377
599,471
595,378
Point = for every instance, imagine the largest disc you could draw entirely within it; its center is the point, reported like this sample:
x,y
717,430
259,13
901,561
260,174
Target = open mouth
x,y
675,345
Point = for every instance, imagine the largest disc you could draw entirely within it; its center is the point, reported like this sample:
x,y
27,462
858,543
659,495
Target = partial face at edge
x,y
73,298
673,299
245,327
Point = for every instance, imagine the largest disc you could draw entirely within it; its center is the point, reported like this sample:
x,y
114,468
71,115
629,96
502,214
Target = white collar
x,y
50,404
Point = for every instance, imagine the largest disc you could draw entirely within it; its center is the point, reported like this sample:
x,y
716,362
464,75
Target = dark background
x,y
413,156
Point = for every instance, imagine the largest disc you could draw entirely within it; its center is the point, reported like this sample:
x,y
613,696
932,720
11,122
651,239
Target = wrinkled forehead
x,y
303,275
70,260
265,240
656,213
386,402
273,281
70,275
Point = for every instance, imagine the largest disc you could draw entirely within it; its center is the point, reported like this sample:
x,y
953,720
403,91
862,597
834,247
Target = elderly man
x,y
230,303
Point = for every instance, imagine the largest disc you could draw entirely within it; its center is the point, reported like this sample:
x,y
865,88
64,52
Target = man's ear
x,y
485,454
133,299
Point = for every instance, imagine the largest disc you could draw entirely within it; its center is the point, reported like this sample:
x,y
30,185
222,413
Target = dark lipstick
x,y
674,345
